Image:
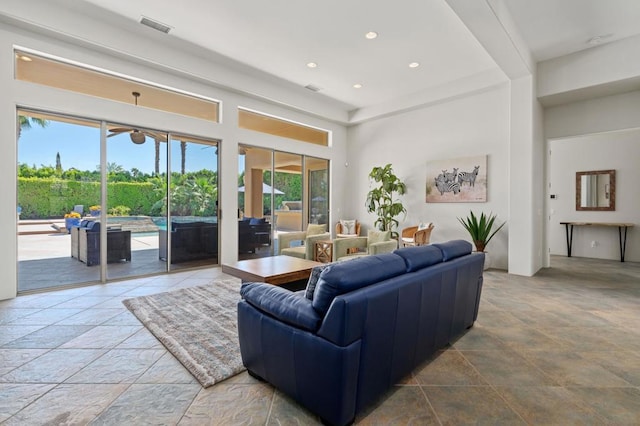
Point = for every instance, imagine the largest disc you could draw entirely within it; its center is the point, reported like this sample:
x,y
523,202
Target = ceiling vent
x,y
155,25
312,87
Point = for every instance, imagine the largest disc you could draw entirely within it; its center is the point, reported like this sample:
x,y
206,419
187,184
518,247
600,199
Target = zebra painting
x,y
468,176
446,180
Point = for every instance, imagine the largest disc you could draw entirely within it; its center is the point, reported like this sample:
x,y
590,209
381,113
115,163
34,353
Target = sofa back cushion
x,y
374,236
454,249
419,257
343,277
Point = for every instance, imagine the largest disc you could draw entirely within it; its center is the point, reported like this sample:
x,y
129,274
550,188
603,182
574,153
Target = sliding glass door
x,y
281,191
135,171
142,203
255,202
58,181
192,227
317,172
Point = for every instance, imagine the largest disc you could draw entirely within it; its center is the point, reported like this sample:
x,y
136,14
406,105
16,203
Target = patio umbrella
x,y
266,189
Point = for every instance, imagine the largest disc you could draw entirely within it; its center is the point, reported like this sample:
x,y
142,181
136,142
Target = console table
x,y
623,238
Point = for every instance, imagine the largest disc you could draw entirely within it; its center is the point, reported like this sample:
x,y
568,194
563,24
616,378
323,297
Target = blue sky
x,y
79,147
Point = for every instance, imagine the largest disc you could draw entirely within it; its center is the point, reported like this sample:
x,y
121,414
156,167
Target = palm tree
x,y
25,122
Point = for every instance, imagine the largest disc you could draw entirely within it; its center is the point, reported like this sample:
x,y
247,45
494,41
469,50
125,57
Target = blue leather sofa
x,y
369,323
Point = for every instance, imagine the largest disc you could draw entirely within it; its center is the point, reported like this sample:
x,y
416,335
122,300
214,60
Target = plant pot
x,y
486,260
70,222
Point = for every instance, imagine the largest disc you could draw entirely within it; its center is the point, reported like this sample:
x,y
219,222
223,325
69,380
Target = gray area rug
x,y
198,325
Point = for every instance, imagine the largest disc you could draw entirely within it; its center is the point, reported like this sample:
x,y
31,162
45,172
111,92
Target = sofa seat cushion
x,y
287,306
454,249
419,257
346,235
343,277
299,251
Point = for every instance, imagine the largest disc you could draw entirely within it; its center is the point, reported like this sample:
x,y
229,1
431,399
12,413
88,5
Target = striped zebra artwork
x,y
469,177
457,180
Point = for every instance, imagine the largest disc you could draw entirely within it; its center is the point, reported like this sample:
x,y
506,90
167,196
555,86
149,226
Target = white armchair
x,y
376,242
307,241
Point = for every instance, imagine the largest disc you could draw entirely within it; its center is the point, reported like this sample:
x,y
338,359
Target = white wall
x,y
595,134
589,72
613,150
474,125
19,93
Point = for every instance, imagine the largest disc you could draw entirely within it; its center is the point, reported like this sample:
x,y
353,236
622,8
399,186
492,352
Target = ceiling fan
x,y
137,136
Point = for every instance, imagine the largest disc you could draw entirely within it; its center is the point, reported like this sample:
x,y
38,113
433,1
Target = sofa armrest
x,y
285,239
341,246
310,243
287,306
383,247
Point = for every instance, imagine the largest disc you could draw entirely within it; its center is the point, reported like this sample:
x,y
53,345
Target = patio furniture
x,y
118,244
189,241
253,233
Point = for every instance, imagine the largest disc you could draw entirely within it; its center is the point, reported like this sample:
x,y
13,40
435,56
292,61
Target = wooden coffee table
x,y
275,270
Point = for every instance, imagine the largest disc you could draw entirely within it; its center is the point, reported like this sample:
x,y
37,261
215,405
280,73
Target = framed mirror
x,y
596,190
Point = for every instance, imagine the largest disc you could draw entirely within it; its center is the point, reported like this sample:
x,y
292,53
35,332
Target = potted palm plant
x,y
480,228
381,201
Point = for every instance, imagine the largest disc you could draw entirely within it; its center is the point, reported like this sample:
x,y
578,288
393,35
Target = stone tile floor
x,y
562,347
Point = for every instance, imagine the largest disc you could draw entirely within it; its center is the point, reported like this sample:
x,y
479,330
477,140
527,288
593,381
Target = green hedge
x,y
52,198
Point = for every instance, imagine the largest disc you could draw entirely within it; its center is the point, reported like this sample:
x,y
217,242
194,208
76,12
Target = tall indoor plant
x,y
480,228
381,201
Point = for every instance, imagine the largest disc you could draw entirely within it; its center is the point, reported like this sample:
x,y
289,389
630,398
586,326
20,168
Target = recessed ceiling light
x,y
25,58
371,35
312,65
414,65
357,86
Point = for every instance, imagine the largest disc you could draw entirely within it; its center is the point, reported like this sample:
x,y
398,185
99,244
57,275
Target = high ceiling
x,y
553,28
278,38
281,37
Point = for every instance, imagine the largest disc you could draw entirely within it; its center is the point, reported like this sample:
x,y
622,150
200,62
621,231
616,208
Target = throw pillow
x,y
314,229
377,236
423,225
348,226
313,280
